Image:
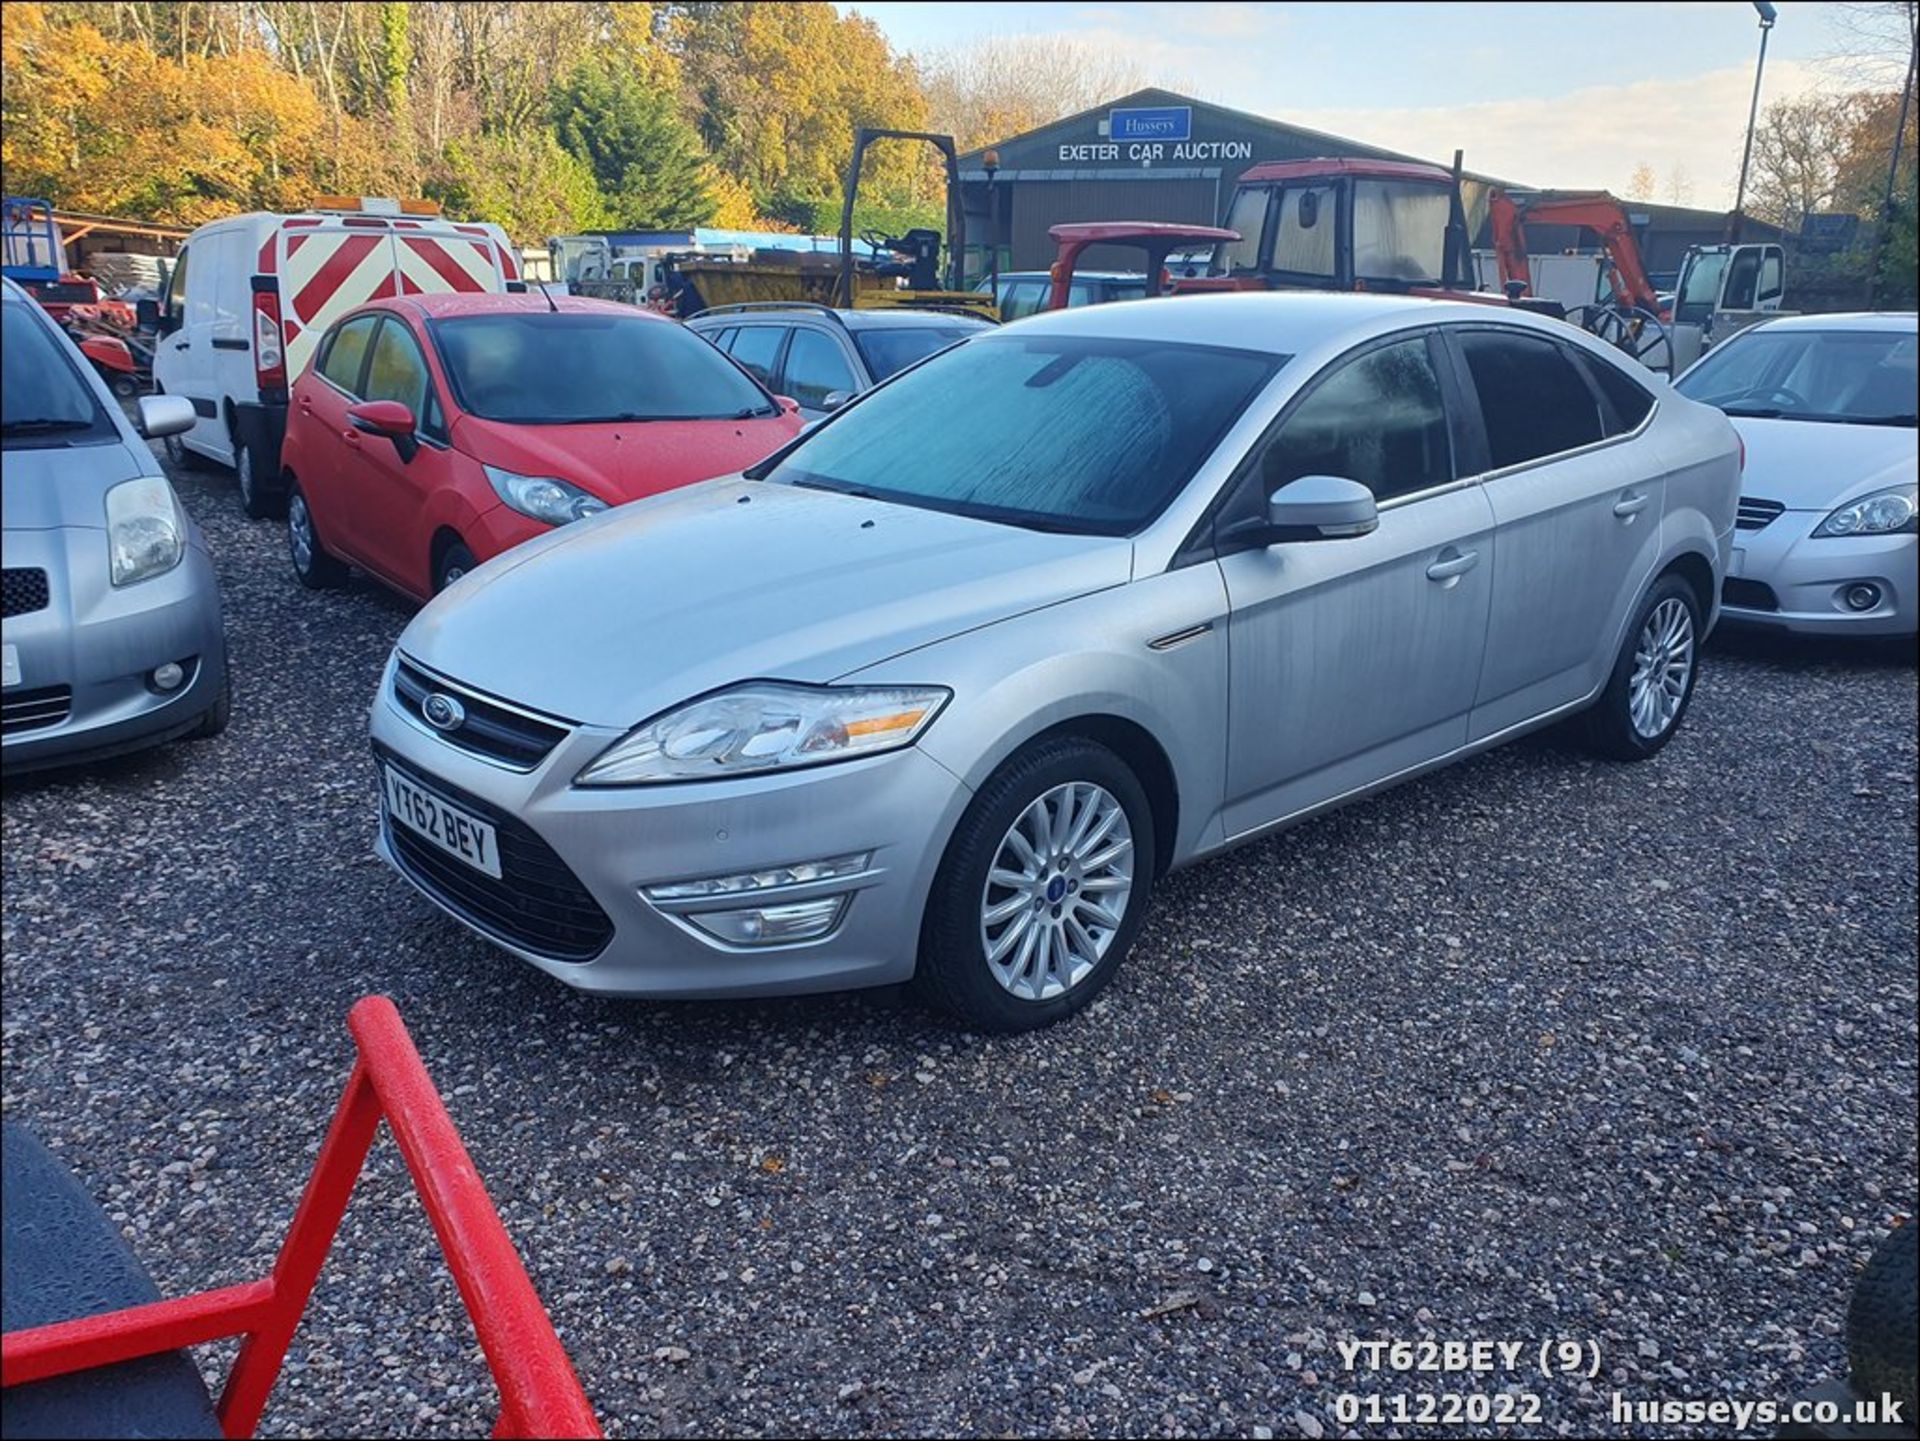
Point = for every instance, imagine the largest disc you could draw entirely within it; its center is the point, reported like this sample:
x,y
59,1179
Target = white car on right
x,y
1825,406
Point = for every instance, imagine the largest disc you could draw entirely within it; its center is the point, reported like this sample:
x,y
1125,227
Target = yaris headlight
x,y
1885,512
766,726
146,531
542,497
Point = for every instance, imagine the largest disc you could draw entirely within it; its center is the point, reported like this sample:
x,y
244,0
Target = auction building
x,y
1156,155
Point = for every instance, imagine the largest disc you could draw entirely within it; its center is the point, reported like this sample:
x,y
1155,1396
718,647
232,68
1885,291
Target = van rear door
x,y
327,264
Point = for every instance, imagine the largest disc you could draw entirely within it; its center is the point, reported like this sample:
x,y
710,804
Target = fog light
x,y
167,677
773,925
800,874
1862,596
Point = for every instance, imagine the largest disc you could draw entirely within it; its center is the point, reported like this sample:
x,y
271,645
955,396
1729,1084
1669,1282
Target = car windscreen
x,y
887,351
1070,433
44,400
580,367
1400,231
1857,377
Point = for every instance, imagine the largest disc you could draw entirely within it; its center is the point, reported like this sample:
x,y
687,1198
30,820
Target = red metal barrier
x,y
539,1394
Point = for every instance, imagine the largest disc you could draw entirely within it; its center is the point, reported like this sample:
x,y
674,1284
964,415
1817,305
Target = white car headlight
x,y
146,531
542,497
762,726
1885,512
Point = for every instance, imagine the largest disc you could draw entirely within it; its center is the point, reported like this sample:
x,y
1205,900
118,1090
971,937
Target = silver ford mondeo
x,y
937,692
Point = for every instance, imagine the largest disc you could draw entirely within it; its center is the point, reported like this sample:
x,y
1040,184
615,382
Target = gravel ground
x,y
1537,1048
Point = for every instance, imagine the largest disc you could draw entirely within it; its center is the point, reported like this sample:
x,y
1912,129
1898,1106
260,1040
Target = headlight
x,y
542,497
146,533
1885,512
765,726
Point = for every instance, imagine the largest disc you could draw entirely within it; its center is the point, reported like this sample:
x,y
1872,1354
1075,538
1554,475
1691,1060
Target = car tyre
x,y
259,500
1653,677
455,561
1038,983
215,720
317,568
1882,1324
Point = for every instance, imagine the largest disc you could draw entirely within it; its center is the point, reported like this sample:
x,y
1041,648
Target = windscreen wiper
x,y
43,426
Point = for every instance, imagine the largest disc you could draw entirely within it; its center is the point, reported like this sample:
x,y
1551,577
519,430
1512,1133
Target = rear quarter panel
x,y
1701,452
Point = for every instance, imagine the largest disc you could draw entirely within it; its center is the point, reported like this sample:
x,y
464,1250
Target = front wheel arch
x,y
1145,757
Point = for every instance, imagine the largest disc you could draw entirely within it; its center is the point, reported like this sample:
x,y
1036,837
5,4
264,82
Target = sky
x,y
1541,92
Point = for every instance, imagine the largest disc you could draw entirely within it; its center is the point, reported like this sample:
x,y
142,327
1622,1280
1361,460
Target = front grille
x,y
29,710
24,590
511,737
1757,514
537,904
1748,595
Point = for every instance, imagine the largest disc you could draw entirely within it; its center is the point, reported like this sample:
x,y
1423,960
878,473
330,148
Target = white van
x,y
249,296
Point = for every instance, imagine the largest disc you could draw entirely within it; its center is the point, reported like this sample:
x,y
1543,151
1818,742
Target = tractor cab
x,y
1343,224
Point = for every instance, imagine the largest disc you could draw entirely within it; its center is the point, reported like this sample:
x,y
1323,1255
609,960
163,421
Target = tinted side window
x,y
1629,400
346,351
722,339
815,368
1533,400
1023,297
398,371
1742,278
757,347
1770,282
1377,419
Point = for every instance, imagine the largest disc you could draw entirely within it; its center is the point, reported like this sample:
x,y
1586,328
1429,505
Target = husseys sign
x,y
1153,133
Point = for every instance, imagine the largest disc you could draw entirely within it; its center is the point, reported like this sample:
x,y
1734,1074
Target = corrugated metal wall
x,y
1040,204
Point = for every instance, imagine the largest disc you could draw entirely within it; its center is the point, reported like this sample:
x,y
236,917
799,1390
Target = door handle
x,y
351,437
183,345
1629,505
1452,567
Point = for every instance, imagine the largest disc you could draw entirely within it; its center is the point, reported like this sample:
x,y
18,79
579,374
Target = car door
x,y
816,365
183,362
391,488
1576,514
330,463
1353,660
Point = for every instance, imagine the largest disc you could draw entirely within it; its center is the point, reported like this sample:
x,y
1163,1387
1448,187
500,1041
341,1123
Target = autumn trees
x,y
546,117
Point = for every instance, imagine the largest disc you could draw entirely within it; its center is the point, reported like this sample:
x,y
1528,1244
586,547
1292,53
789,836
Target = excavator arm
x,y
1596,211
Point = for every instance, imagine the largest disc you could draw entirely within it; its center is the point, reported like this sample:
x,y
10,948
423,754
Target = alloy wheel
x,y
1057,891
300,533
1662,668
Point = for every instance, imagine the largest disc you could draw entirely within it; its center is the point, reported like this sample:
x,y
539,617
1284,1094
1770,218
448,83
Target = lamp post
x,y
1767,16
991,160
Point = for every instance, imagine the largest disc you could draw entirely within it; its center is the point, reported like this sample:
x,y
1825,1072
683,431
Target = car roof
x,y
1078,274
1276,322
469,302
1866,320
851,319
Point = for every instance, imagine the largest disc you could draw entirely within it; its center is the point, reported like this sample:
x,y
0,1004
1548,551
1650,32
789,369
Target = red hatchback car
x,y
433,432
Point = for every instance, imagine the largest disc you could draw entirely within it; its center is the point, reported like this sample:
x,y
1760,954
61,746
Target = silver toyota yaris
x,y
112,638
940,690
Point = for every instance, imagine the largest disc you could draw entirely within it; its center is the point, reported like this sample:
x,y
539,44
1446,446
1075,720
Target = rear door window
x,y
1533,401
1024,297
345,360
757,347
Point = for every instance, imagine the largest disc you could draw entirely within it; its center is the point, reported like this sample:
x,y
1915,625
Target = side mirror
x,y
165,415
1321,507
788,404
386,417
835,399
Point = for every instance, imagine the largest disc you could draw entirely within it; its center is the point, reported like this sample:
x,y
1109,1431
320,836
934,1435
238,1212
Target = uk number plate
x,y
464,837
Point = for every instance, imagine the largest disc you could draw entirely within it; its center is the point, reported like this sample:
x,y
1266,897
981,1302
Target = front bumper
x,y
900,807
99,643
1781,578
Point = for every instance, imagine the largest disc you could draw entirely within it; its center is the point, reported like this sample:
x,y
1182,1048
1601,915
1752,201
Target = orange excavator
x,y
1637,321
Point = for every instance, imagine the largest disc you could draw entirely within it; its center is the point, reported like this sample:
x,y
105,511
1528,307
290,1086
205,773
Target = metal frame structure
x,y
956,237
539,1393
